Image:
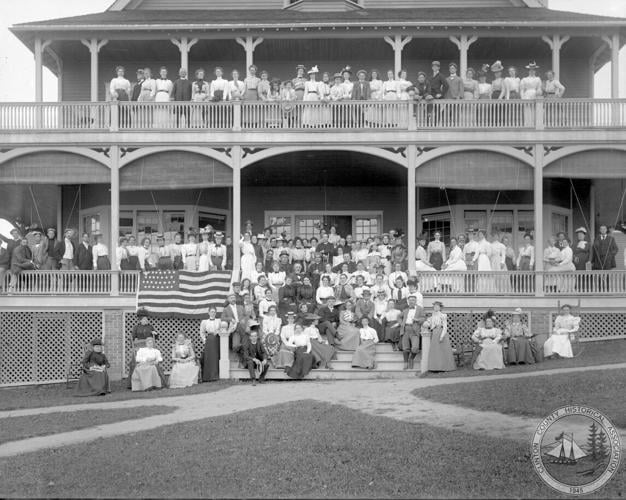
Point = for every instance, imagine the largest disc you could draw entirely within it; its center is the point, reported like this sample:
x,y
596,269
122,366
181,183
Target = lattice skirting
x,y
39,347
599,325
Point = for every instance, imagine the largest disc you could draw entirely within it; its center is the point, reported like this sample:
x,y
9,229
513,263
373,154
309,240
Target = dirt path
x,y
389,398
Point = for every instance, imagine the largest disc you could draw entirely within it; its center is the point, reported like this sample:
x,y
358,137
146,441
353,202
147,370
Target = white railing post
x,y
224,365
237,116
114,116
539,114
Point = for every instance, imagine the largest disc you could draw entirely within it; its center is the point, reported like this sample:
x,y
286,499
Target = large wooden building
x,y
538,167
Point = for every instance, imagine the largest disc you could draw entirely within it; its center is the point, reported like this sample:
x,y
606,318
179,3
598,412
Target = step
x,y
337,374
380,356
347,365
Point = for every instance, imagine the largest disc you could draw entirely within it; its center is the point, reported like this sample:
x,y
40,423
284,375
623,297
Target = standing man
x,y
604,250
39,249
410,330
83,256
65,250
181,92
438,89
135,92
12,244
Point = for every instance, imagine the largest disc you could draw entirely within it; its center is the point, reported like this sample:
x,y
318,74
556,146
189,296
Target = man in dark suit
x,y
329,319
412,319
253,355
361,90
235,314
604,250
21,260
64,251
136,91
181,92
438,88
83,256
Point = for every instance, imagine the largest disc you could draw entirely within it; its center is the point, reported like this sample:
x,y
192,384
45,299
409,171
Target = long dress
x,y
559,341
248,260
162,117
303,359
392,323
211,354
483,261
203,261
190,256
565,265
440,357
455,263
94,381
347,334
184,373
490,357
470,93
437,253
374,114
285,356
311,114
520,347
365,354
391,93
146,375
322,352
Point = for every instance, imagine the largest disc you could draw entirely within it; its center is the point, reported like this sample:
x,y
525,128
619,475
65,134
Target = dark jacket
x,y
604,252
59,251
136,91
328,314
361,94
181,91
22,259
252,351
438,85
83,257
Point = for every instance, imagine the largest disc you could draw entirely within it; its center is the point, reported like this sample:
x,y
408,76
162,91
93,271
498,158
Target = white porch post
x,y
411,152
397,44
249,44
463,43
94,47
114,154
40,46
236,155
184,45
538,202
555,42
613,43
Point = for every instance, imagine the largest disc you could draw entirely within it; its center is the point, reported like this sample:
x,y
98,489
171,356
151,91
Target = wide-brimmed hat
x,y
311,316
96,341
141,312
160,236
261,236
361,71
581,230
346,69
253,322
337,75
517,311
300,66
438,302
532,65
497,66
314,69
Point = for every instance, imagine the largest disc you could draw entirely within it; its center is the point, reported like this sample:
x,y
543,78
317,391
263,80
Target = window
x,y
91,224
127,223
216,221
559,223
366,227
309,226
475,220
147,222
502,223
280,225
173,221
525,224
433,223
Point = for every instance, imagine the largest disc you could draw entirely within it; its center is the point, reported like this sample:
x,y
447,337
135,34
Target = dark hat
x,y
423,236
453,64
300,66
236,283
290,314
160,236
418,74
361,71
346,69
532,65
337,75
140,70
96,341
435,63
141,312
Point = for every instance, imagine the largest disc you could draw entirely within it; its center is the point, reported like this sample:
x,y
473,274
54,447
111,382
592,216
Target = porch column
x,y
555,42
184,45
538,220
249,43
397,44
94,47
40,46
236,155
463,43
411,153
613,43
114,154
592,210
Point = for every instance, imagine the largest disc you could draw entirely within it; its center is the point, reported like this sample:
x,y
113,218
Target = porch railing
x,y
351,115
457,284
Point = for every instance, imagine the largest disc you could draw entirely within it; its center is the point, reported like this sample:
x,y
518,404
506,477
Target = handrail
x,y
478,114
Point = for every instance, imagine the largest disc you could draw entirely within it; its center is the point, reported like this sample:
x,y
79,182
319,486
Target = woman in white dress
x,y
374,115
204,262
482,260
470,93
236,88
564,264
146,374
185,369
218,93
559,342
530,89
365,354
199,94
488,338
391,92
276,279
455,263
551,256
403,95
311,114
326,113
511,91
248,258
164,86
190,253
147,94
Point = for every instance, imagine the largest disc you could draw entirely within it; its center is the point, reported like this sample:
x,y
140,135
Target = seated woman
x,y
365,354
270,333
322,351
147,375
392,322
348,336
284,357
488,338
559,343
303,359
185,369
437,355
94,381
519,338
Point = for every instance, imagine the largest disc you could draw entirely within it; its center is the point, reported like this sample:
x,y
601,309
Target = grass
x,y
14,428
594,353
536,396
37,396
305,449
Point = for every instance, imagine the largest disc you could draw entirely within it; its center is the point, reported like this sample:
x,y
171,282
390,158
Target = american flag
x,y
183,293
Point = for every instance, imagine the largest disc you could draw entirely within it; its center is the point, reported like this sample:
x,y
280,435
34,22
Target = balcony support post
x,y
40,47
236,154
613,43
94,47
555,43
463,43
411,154
184,45
538,202
249,44
397,44
114,154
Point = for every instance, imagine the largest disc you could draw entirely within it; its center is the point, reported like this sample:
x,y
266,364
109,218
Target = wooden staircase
x,y
389,364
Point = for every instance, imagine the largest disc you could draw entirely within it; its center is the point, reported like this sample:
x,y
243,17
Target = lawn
x,y
536,396
304,449
14,428
594,353
36,396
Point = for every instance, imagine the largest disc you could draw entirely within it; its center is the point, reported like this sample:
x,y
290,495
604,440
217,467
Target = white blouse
x,y
119,84
148,355
271,324
302,340
99,250
220,84
368,333
209,327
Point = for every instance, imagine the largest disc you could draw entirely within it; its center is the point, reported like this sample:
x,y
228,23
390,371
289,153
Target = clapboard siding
x,y
209,4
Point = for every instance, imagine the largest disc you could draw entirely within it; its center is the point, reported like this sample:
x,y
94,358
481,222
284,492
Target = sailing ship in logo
x,y
565,450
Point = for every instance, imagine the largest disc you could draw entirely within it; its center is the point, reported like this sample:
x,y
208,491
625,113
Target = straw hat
x,y
314,69
532,65
517,311
497,66
581,230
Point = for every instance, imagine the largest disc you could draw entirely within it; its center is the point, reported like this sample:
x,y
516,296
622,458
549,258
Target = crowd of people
x,y
491,82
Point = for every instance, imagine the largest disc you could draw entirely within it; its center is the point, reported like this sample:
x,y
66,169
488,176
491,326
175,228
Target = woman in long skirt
x,y
392,323
322,351
438,356
248,258
365,354
94,381
348,337
185,367
519,338
488,338
285,355
209,330
190,253
146,375
559,342
303,359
